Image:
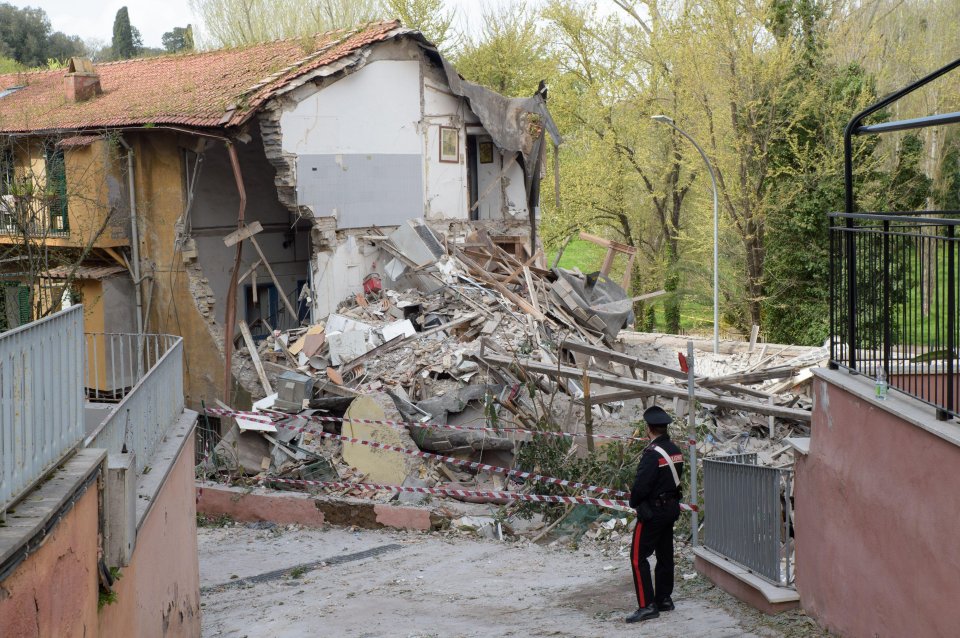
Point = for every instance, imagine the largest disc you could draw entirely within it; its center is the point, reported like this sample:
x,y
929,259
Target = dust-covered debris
x,y
490,344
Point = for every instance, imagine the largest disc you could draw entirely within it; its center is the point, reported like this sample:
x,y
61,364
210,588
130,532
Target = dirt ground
x,y
287,581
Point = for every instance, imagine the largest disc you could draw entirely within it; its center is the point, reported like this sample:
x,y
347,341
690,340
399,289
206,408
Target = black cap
x,y
656,416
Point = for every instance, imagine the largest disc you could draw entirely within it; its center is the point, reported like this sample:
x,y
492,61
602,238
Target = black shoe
x,y
666,605
644,613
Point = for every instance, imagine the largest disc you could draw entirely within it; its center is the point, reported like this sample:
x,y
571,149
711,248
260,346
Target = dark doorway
x,y
472,176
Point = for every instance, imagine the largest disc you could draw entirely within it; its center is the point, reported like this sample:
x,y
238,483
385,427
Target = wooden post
x,y
255,357
587,410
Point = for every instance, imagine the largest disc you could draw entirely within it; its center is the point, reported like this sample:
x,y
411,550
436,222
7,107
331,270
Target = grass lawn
x,y
588,257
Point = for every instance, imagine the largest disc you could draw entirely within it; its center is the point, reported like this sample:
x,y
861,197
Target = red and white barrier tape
x,y
514,496
258,417
252,416
473,465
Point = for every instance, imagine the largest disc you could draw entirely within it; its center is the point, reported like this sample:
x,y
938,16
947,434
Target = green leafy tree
x,y
230,23
806,184
25,37
126,41
178,40
510,54
429,17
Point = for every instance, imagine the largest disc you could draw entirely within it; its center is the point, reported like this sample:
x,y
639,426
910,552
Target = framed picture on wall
x,y
449,144
485,151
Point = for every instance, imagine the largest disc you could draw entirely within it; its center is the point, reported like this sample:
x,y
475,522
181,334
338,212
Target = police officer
x,y
656,497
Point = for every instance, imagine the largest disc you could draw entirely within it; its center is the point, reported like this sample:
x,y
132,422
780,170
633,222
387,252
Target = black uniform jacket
x,y
653,475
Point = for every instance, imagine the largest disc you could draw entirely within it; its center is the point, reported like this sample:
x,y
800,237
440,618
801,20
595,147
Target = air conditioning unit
x,y
292,390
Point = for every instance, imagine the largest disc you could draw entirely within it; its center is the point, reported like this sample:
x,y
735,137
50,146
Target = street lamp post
x,y
663,119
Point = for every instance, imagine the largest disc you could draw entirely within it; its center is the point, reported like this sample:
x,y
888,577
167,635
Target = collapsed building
x,y
175,192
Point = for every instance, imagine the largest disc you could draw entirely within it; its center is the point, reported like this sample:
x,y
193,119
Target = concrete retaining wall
x,y
311,511
876,502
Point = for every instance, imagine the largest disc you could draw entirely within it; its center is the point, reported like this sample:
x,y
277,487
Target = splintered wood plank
x,y
255,357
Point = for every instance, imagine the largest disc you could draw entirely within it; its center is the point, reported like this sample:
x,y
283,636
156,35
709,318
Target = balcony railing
x,y
142,375
749,517
893,301
46,367
14,222
41,399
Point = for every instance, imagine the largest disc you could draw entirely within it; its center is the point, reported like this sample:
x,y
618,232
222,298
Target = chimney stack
x,y
81,81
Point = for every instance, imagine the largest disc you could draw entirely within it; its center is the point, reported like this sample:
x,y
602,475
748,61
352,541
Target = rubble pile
x,y
465,332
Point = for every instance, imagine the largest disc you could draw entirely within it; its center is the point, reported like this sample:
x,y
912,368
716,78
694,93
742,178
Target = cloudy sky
x,y
94,20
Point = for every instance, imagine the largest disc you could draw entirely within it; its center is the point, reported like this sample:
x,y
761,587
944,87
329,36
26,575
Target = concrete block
x,y
380,466
120,509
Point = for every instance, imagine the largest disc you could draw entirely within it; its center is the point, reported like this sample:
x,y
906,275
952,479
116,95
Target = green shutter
x,y
6,170
23,300
57,189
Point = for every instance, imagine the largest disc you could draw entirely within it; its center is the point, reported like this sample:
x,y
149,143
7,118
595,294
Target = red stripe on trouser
x,y
635,563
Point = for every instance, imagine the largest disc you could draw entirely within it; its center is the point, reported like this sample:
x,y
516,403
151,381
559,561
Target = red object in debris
x,y
372,283
683,362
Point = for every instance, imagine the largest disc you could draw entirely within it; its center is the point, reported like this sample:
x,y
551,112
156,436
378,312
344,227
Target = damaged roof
x,y
206,89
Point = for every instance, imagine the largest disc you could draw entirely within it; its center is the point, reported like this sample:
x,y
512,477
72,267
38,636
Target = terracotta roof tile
x,y
206,89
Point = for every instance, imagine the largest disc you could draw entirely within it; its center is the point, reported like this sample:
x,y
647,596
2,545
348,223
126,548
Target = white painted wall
x,y
375,110
396,108
515,193
339,274
445,184
488,189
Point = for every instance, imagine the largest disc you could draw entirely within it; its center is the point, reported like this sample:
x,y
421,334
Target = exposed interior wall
x,y
365,148
284,241
358,146
876,501
54,591
339,272
159,592
446,189
180,301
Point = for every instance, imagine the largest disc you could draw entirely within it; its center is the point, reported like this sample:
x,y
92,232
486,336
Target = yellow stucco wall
x,y
92,172
160,203
94,189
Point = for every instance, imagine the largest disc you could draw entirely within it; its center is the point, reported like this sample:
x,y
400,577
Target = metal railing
x,y
41,399
749,517
146,376
893,301
116,362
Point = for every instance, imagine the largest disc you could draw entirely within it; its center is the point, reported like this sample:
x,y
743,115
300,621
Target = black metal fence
x,y
893,301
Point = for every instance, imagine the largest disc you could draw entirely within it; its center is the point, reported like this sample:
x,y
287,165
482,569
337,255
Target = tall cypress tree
x,y
123,43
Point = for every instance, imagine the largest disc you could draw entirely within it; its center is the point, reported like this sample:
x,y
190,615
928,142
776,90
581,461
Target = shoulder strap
x,y
673,469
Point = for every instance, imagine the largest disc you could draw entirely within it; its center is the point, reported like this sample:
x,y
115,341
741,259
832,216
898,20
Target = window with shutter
x,y
57,189
23,300
6,169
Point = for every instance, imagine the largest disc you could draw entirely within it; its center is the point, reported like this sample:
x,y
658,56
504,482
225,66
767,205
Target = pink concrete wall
x,y
281,508
303,509
159,591
54,591
876,511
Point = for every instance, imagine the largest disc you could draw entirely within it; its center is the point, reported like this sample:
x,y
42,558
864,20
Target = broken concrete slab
x,y
243,450
380,466
417,242
346,346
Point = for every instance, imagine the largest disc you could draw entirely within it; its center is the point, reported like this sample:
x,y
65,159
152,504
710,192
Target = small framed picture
x,y
449,144
486,152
